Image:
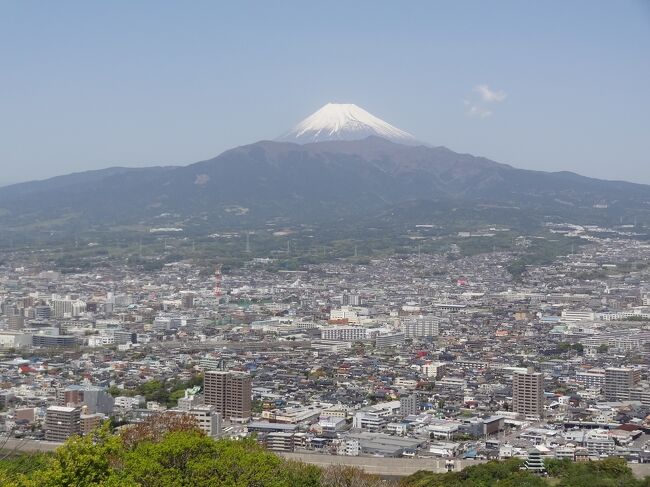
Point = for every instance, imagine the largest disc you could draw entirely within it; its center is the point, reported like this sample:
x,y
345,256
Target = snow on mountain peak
x,y
344,121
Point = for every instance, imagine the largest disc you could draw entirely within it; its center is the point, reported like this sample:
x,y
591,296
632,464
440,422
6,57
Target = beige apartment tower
x,y
619,383
229,392
528,394
62,422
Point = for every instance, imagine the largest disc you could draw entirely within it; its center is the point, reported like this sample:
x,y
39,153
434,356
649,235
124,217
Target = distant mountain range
x,y
354,168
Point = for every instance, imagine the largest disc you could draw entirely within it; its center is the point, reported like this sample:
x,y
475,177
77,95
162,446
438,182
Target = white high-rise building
x,y
421,326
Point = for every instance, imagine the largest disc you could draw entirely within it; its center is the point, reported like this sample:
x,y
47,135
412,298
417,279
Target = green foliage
x,y
82,462
611,472
180,458
188,458
564,347
165,392
15,468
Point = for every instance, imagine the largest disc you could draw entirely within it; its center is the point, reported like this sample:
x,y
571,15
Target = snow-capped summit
x,y
344,121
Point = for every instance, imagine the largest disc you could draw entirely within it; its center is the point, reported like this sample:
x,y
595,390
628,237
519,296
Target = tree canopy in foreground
x,y
172,452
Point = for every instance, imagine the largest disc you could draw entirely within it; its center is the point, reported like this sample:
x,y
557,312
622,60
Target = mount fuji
x,y
341,167
344,121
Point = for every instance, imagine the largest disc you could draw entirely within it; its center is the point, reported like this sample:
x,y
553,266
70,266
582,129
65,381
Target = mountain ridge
x,y
323,181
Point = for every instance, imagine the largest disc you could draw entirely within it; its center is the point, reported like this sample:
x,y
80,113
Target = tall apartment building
x,y
409,405
16,320
434,369
62,422
343,333
62,308
528,394
187,300
421,326
42,312
208,419
593,378
350,300
389,340
570,316
229,392
619,382
95,399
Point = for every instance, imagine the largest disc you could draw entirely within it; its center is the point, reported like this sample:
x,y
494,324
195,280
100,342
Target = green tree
x,y
84,462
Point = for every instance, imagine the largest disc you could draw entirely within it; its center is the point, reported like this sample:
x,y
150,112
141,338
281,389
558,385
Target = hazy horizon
x,y
548,87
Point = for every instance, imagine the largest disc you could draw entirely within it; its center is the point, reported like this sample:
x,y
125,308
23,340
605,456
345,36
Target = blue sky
x,y
557,85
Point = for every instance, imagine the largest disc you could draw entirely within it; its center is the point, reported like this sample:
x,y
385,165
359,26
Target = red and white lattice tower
x,y
217,283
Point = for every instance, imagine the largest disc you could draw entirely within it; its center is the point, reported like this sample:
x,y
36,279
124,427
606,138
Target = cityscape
x,y
325,244
436,359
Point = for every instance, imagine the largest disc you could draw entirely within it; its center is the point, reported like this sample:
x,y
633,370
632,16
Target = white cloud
x,y
478,111
477,106
488,95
